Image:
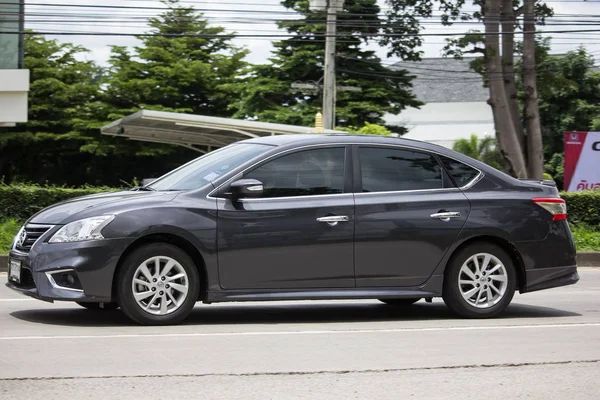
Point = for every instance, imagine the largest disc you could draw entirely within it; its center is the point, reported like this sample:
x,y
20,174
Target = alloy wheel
x,y
482,280
160,285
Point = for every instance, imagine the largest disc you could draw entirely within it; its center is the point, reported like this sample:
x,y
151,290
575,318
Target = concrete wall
x,y
14,88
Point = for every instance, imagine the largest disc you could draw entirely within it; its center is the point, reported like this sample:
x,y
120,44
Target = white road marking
x,y
316,332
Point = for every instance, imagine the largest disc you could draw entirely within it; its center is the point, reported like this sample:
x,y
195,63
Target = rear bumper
x,y
546,278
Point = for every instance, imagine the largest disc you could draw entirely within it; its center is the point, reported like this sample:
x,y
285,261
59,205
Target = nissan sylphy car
x,y
302,217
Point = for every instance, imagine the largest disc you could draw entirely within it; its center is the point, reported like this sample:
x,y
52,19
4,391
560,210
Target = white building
x,y
14,80
455,102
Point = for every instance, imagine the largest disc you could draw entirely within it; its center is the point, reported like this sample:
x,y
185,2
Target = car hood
x,y
99,204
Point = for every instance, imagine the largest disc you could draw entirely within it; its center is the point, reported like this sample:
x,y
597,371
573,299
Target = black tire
x,y
125,278
451,291
99,306
399,302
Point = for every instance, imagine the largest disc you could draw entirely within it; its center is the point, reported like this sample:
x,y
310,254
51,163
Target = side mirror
x,y
246,188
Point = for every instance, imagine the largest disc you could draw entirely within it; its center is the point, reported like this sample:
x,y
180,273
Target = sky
x,y
257,17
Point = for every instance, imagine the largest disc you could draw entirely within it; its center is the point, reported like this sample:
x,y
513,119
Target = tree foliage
x,y
187,67
517,129
268,94
61,89
484,149
569,95
368,129
188,70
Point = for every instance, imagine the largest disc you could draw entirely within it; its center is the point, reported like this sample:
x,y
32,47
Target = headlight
x,y
14,242
84,229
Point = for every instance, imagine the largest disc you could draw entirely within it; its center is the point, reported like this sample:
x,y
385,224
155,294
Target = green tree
x,y
268,95
370,129
555,167
519,135
484,149
47,148
569,92
183,65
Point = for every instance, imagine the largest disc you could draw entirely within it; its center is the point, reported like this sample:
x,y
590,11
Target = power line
x,y
149,8
284,35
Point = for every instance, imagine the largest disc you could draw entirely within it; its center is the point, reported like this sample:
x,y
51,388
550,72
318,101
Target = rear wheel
x,y
480,281
158,284
99,306
399,302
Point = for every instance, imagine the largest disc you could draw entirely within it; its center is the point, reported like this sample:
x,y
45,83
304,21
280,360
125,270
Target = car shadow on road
x,y
281,313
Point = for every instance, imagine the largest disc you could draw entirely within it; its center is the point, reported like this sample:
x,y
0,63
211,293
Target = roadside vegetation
x,y
587,238
8,230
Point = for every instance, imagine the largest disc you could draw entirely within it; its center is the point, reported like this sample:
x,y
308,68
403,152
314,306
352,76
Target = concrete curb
x,y
588,259
584,259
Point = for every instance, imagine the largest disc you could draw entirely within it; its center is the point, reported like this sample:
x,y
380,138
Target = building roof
x,y
197,132
445,80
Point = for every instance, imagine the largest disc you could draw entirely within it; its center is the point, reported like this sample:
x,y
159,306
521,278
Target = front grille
x,y
29,235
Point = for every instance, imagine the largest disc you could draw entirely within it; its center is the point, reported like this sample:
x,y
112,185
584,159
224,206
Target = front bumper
x,y
94,263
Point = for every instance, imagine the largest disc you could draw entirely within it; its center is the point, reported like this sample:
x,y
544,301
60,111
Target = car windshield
x,y
208,168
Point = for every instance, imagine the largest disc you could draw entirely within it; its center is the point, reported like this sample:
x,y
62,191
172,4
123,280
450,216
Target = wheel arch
x,y
505,245
171,239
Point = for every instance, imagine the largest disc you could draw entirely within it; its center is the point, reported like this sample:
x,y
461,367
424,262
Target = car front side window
x,y
303,173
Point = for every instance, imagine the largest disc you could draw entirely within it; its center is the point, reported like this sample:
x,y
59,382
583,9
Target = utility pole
x,y
329,85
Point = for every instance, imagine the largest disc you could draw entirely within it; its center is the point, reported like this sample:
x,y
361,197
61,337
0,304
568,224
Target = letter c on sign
x,y
596,146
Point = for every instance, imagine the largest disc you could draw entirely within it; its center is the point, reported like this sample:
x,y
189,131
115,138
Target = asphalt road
x,y
547,346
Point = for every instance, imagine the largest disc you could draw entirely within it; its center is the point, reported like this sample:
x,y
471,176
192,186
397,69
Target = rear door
x,y
408,214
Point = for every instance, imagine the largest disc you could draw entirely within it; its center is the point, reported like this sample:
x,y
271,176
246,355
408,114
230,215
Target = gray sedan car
x,y
302,217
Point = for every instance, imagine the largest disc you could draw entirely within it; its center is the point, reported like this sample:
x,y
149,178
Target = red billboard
x,y
582,161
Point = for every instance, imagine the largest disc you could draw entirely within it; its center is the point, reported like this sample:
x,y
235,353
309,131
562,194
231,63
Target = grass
x,y
8,231
587,238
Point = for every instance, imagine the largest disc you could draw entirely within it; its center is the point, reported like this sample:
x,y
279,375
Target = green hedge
x,y
22,201
583,207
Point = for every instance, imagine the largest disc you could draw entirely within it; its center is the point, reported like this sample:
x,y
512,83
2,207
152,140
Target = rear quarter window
x,y
461,173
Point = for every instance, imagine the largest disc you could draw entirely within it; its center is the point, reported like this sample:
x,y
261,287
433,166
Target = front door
x,y
299,234
408,214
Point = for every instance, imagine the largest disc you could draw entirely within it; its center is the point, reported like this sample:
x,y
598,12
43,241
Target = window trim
x,y
352,157
470,183
347,183
357,171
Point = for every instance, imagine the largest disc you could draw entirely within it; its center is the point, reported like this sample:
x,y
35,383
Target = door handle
x,y
333,220
446,216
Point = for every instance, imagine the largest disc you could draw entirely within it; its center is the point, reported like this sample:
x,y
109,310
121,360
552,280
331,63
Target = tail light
x,y
555,206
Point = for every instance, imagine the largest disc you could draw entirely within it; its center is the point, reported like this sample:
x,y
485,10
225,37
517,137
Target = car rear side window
x,y
461,173
389,169
303,173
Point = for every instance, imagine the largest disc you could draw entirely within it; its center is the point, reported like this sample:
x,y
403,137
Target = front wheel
x,y
480,281
158,284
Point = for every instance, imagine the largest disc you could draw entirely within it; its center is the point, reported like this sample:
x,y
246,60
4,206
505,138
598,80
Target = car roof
x,y
308,139
296,140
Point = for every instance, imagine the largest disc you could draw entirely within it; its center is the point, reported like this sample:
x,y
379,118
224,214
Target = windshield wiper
x,y
142,189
